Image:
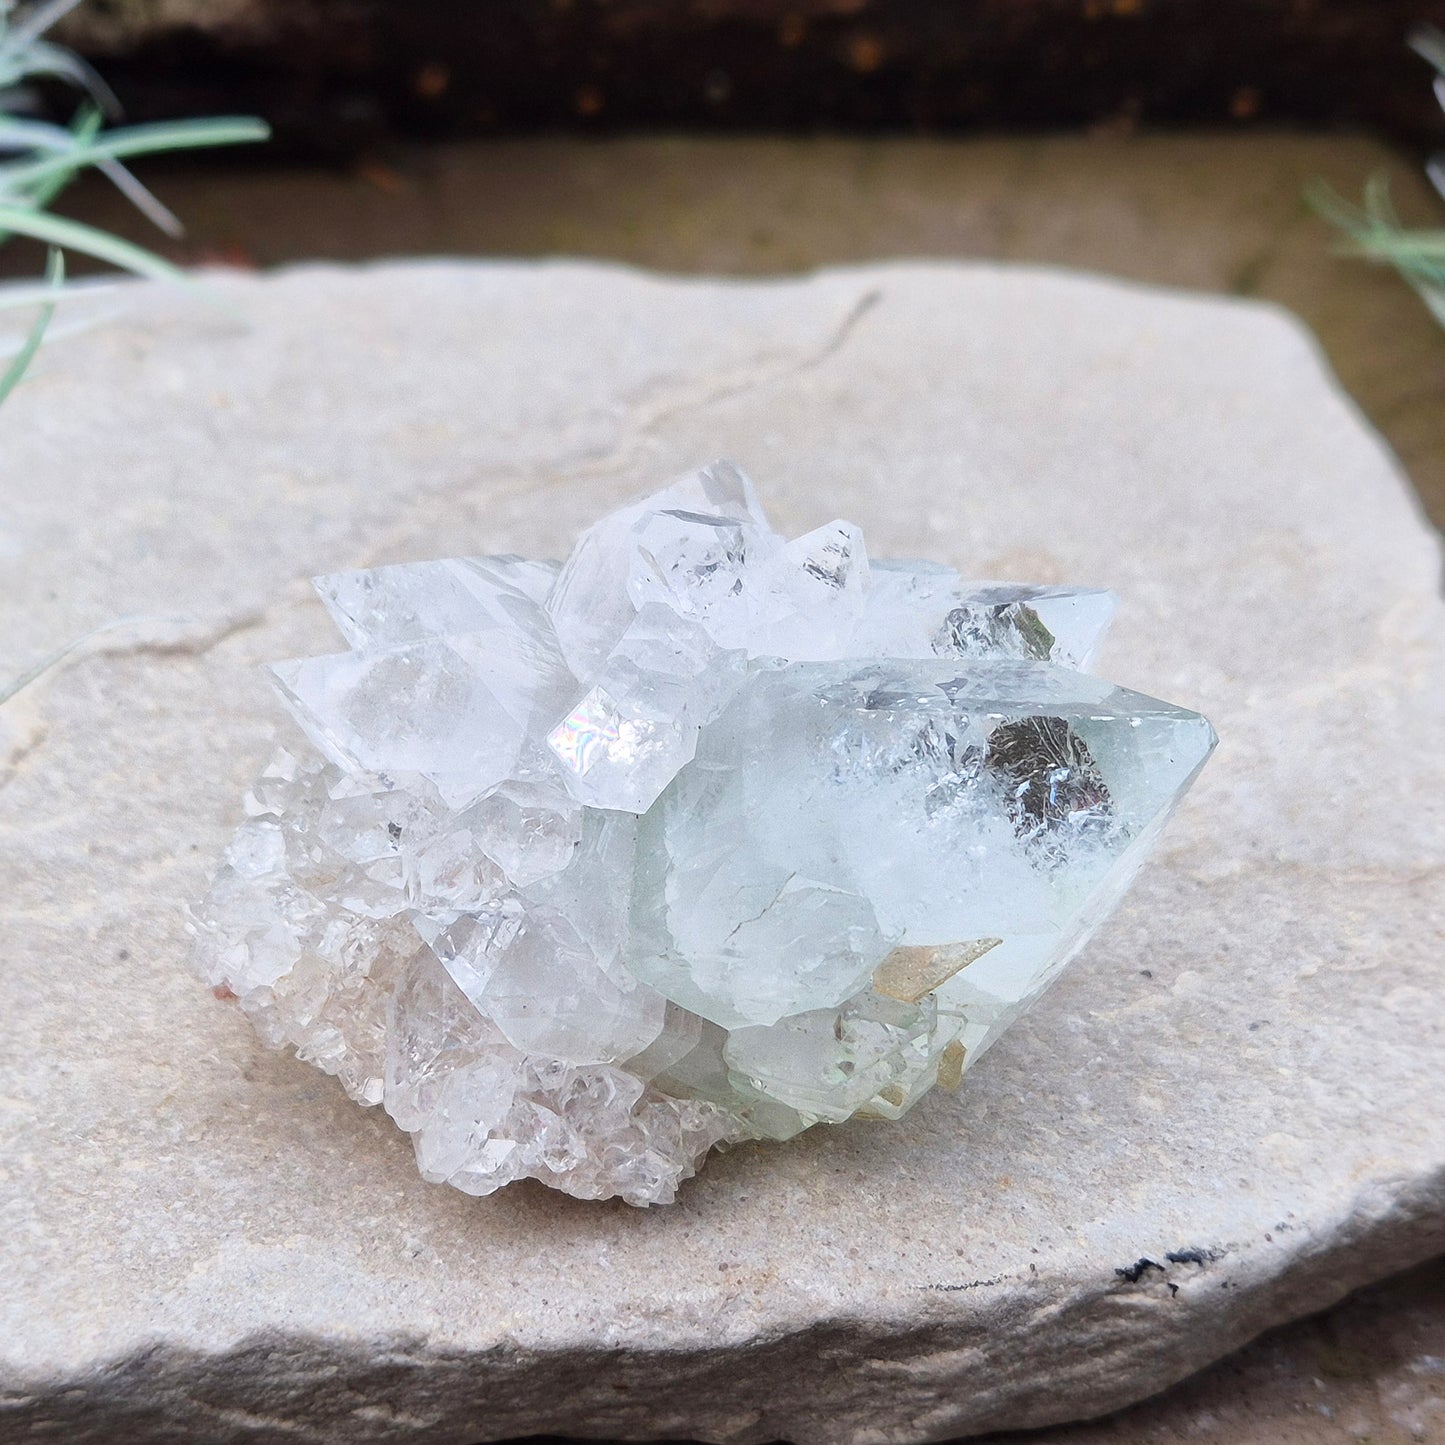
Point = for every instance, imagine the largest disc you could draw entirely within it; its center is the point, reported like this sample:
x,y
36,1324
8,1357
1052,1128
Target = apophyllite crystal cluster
x,y
702,836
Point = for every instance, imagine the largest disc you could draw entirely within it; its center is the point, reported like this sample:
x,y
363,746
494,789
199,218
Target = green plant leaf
x,y
18,132
1374,229
86,126
1329,204
1399,244
142,198
1428,42
1378,205
137,140
89,241
20,362
71,649
1434,298
39,58
14,297
41,159
38,20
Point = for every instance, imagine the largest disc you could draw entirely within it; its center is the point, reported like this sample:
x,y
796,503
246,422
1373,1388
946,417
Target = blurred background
x,y
340,76
1170,141
1192,143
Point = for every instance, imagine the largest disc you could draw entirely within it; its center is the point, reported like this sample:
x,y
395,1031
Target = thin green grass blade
x,y
40,18
142,198
34,674
1428,42
1378,204
1434,298
89,241
85,128
20,362
1401,246
1331,206
54,659
19,298
21,133
1435,173
1374,234
44,158
139,140
39,58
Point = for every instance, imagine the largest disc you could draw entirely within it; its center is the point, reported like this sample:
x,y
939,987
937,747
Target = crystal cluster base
x,y
703,836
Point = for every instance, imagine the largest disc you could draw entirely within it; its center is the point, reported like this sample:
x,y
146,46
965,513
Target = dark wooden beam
x,y
340,74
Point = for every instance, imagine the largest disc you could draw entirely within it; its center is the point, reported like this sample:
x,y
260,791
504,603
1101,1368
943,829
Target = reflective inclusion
x,y
705,835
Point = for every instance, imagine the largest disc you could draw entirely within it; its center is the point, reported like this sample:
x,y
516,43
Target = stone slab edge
x,y
971,1368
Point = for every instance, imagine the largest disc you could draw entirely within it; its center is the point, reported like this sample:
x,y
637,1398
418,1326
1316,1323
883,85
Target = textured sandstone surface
x,y
208,1242
1370,1369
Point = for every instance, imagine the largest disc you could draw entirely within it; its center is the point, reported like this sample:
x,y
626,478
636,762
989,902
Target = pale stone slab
x,y
203,1241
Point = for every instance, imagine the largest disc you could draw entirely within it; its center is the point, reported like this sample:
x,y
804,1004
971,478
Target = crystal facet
x,y
706,835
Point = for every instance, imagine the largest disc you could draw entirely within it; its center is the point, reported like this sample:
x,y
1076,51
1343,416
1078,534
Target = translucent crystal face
x,y
706,835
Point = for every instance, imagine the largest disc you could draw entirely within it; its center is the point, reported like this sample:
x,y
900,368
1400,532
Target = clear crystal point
x,y
704,835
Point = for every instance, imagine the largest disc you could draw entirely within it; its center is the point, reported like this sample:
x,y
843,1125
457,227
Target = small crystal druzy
x,y
702,836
